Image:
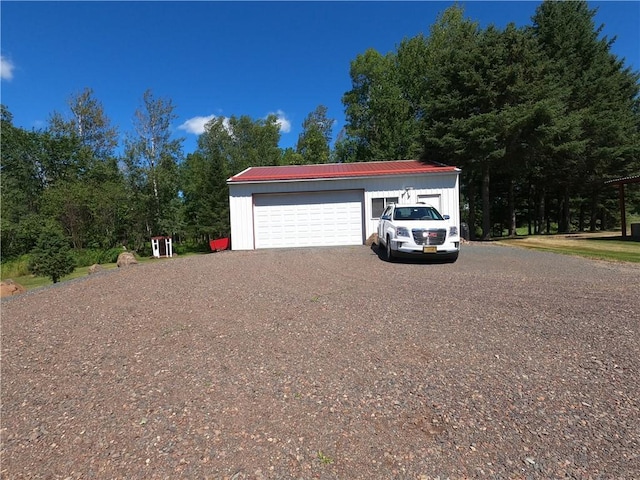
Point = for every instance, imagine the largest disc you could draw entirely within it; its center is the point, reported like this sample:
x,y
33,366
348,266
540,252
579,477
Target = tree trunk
x,y
594,214
472,210
512,208
564,222
486,202
604,223
540,229
529,210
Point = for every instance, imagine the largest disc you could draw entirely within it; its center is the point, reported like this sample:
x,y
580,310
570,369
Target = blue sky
x,y
224,58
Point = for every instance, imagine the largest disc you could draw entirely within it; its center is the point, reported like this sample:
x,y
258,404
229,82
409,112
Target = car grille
x,y
429,236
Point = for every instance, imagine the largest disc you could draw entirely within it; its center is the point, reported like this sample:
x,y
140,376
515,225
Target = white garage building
x,y
331,204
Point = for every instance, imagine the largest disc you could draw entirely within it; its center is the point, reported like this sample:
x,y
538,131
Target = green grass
x,y
633,219
324,459
603,246
591,253
15,268
30,281
17,272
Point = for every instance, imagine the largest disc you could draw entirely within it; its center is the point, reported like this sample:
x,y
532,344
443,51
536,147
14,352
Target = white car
x,y
417,229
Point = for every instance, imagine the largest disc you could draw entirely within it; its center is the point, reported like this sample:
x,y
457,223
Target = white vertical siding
x,y
443,185
241,213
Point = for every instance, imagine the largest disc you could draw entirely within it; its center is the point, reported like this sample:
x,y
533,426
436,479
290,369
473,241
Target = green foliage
x,y
206,195
110,255
324,459
52,256
89,124
291,157
537,117
227,147
21,170
315,139
251,143
190,247
16,267
31,281
19,235
151,158
88,256
345,149
379,117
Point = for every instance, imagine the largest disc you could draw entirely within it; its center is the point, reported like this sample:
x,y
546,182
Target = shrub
x,y
52,256
89,256
111,255
16,267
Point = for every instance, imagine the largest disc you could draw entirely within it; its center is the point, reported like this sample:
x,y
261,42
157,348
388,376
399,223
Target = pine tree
x,y
52,256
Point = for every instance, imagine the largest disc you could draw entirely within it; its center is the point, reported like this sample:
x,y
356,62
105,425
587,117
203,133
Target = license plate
x,y
429,249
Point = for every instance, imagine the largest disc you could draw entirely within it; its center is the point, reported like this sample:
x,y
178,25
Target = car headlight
x,y
402,232
453,231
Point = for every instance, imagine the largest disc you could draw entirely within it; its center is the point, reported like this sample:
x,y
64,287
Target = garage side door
x,y
308,219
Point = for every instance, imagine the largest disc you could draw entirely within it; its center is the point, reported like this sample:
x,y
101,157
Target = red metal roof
x,y
337,170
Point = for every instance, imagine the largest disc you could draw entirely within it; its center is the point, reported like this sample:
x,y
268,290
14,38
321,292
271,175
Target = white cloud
x,y
6,68
196,125
283,121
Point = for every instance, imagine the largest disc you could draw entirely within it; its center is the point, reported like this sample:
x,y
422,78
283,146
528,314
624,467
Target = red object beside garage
x,y
219,244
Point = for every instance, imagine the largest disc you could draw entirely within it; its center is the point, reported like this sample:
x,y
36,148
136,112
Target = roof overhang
x,y
339,171
624,180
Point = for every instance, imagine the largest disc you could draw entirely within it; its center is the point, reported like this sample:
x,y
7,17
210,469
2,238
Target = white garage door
x,y
308,219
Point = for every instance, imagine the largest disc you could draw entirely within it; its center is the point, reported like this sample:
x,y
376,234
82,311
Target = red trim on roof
x,y
337,170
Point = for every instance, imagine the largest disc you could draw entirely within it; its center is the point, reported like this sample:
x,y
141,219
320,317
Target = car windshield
x,y
416,213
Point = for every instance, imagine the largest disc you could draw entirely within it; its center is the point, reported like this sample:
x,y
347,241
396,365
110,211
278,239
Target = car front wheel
x,y
389,251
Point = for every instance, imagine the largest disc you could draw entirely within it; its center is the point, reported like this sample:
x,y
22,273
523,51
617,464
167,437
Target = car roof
x,y
404,205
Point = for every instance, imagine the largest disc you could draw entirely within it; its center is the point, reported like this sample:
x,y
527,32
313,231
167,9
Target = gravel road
x,y
327,363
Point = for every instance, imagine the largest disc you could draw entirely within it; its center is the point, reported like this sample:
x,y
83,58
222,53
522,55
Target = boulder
x,y
9,287
95,268
373,238
125,259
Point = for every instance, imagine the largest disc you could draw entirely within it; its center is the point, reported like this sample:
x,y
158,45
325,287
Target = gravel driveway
x,y
327,363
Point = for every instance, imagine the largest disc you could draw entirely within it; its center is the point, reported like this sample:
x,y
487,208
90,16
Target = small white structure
x,y
331,204
161,247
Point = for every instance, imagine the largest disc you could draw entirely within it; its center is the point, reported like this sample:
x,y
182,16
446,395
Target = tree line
x,y
67,179
537,118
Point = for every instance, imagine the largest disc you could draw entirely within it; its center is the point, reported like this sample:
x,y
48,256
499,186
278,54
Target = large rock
x,y
125,259
373,238
95,268
9,287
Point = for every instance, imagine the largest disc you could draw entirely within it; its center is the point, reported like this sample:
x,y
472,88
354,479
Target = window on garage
x,y
379,204
433,200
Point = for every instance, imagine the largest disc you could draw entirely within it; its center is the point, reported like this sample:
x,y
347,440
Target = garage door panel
x,y
308,219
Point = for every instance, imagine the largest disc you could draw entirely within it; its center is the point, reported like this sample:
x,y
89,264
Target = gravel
x,y
327,363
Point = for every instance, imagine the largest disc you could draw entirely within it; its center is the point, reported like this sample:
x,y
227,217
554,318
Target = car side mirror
x,y
446,217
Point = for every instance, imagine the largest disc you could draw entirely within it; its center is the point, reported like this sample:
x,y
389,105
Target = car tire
x,y
388,251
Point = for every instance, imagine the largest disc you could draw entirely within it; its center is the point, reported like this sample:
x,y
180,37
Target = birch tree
x,y
152,156
89,123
